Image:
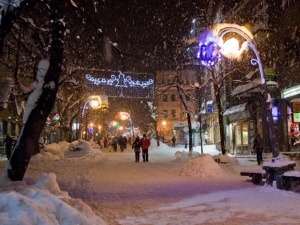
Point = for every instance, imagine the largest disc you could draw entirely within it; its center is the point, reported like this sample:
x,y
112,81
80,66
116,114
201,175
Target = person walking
x,y
145,143
206,138
136,145
8,141
173,141
115,144
258,146
121,143
185,142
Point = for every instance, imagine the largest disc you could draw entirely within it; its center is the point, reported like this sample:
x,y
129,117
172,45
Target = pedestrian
x,y
258,146
121,143
145,143
115,144
8,141
136,145
185,142
125,142
173,141
206,138
105,142
251,144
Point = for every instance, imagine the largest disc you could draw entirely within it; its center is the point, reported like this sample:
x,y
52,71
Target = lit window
x,y
165,97
165,113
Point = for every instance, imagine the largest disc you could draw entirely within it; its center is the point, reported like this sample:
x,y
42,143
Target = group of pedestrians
x,y
115,141
143,143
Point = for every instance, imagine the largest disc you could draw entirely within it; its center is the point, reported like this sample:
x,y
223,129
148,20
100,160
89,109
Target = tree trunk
x,y
156,133
27,144
217,92
190,132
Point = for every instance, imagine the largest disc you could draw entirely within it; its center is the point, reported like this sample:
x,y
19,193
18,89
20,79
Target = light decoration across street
x,y
119,81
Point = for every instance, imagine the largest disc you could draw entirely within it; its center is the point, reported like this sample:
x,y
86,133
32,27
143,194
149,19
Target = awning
x,y
238,112
195,125
253,85
235,109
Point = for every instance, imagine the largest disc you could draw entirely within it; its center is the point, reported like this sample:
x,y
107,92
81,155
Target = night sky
x,y
147,32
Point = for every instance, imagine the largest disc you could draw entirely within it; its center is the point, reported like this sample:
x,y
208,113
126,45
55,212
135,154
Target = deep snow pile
x,y
203,167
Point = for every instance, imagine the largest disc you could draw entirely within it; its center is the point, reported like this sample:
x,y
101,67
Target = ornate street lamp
x,y
212,48
126,116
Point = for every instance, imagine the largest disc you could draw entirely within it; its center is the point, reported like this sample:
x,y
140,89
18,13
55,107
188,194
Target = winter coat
x,y
136,145
258,144
145,143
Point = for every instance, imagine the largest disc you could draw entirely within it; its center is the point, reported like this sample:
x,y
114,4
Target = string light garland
x,y
121,85
120,81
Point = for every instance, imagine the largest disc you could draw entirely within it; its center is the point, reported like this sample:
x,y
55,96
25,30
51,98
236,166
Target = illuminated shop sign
x,y
275,112
296,117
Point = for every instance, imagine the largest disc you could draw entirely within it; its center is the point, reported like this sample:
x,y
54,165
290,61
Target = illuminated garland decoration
x,y
209,46
120,81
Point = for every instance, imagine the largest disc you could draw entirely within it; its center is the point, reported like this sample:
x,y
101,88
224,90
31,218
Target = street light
x,y
126,116
212,46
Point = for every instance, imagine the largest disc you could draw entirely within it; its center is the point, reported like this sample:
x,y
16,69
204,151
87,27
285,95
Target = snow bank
x,y
204,167
42,203
76,149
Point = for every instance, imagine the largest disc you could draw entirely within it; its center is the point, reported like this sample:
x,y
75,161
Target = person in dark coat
x,y
114,144
136,145
185,142
173,141
258,146
125,142
8,141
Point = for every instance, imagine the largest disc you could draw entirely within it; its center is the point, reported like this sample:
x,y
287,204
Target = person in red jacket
x,y
145,143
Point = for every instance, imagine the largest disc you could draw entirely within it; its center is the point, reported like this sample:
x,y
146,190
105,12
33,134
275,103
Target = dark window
x,y
173,97
173,113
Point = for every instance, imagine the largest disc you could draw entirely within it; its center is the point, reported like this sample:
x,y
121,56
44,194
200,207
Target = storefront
x,y
239,129
291,105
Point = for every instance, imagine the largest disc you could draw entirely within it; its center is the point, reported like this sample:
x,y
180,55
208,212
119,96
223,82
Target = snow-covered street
x,y
172,188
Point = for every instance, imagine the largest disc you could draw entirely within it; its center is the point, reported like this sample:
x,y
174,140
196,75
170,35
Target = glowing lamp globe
x,y
95,104
230,48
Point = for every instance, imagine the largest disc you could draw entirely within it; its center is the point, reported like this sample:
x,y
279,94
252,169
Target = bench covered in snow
x,y
256,176
288,180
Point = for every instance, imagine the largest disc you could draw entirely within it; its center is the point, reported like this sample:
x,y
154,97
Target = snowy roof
x,y
235,109
246,87
185,124
253,86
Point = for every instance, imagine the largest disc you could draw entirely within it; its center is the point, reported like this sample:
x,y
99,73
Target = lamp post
x,y
126,116
212,46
